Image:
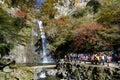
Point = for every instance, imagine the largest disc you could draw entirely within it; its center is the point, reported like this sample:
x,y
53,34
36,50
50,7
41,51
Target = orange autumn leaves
x,y
87,35
20,13
88,28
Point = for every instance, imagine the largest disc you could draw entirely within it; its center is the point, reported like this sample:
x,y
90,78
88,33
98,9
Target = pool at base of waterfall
x,y
50,78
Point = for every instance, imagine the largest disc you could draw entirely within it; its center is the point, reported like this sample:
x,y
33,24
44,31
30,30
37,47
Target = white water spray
x,y
42,75
46,56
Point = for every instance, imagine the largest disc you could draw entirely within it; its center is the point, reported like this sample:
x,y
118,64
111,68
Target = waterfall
x,y
45,56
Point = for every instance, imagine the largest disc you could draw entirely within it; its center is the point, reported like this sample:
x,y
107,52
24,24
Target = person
x,y
65,58
100,58
116,57
111,58
83,57
103,59
68,57
92,59
96,59
119,59
86,58
108,59
79,58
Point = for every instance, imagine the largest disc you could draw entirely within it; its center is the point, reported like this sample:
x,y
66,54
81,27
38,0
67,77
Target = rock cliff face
x,y
76,3
65,7
24,51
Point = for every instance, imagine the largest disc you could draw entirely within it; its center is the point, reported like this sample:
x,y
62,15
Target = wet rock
x,y
7,69
52,72
60,74
91,72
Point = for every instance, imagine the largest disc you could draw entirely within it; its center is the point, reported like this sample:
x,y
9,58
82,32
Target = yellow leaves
x,y
110,14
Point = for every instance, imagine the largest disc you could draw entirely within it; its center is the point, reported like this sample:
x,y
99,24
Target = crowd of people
x,y
93,58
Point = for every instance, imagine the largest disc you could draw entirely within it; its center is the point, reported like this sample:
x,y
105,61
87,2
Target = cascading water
x,y
45,56
42,74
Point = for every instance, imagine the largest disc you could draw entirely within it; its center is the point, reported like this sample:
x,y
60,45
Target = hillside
x,y
71,27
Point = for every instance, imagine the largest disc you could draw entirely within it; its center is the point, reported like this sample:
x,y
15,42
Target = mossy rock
x,y
2,75
24,73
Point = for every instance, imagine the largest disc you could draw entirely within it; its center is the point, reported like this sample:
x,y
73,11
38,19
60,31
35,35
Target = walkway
x,y
100,65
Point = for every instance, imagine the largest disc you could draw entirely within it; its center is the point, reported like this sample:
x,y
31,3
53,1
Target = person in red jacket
x,y
92,59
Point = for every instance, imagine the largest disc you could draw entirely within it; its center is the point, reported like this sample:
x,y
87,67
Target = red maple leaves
x,y
19,13
86,34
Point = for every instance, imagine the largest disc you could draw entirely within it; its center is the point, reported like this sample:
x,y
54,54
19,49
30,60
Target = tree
x,y
48,8
86,38
6,31
15,3
81,12
110,15
110,18
59,33
9,32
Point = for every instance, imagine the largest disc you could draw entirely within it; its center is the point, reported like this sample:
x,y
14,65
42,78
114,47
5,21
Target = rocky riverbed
x,y
65,71
87,72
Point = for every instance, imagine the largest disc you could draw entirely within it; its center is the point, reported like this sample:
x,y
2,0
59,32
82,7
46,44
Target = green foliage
x,y
59,34
110,18
19,22
94,4
21,3
67,35
4,46
111,35
24,5
110,15
9,33
5,32
48,8
81,12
